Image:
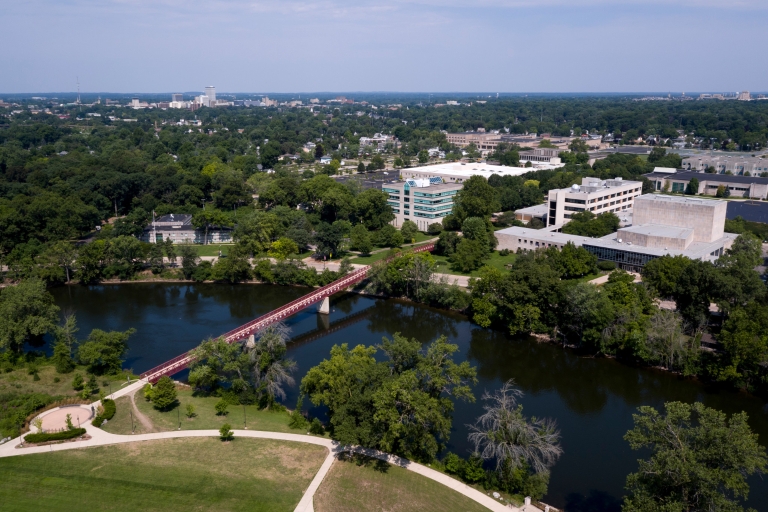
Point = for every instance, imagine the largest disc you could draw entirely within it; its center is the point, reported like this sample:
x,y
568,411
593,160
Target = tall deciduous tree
x,y
700,459
103,351
270,371
27,312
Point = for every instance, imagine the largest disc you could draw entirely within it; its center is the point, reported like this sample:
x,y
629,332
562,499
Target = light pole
x,y
133,430
178,414
245,423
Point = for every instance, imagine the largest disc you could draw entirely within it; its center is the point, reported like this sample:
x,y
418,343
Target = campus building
x,y
179,229
594,195
662,225
754,187
423,201
735,164
458,172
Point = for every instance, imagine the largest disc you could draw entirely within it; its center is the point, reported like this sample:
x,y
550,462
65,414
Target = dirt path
x,y
146,422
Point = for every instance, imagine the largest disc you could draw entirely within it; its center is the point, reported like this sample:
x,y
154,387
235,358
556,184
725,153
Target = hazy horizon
x,y
449,47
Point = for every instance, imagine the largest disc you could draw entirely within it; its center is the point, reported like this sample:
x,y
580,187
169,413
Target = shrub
x,y
148,392
505,252
164,393
56,379
70,426
226,433
606,265
77,382
106,411
221,407
435,228
315,427
56,436
453,463
298,421
93,385
190,411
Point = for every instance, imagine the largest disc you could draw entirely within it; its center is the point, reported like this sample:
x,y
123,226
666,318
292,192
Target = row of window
x,y
435,209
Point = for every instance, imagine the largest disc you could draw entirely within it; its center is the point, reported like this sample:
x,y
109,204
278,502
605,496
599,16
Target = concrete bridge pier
x,y
324,308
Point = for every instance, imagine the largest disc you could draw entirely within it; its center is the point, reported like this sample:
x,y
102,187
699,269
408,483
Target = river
x,y
591,399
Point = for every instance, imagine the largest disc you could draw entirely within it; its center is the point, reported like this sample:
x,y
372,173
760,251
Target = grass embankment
x,y
378,486
19,381
205,416
165,475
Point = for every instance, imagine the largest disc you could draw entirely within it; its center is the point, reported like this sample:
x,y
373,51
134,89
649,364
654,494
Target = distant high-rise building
x,y
177,97
210,91
744,96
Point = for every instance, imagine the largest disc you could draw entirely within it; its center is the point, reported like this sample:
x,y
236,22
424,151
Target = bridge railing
x,y
246,329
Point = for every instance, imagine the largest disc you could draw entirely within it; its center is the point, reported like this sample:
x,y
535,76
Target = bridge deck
x,y
182,361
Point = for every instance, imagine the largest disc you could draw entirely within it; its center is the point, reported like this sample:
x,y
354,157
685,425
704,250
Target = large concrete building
x,y
423,201
663,225
458,172
735,164
754,187
594,195
539,155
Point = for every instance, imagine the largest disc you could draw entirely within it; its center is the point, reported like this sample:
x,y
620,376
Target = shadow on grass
x,y
378,465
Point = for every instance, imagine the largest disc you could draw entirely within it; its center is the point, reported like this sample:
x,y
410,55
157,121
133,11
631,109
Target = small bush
x,y
56,379
35,376
190,411
316,427
77,382
435,228
147,392
221,407
505,252
453,464
606,265
106,411
226,433
56,436
164,393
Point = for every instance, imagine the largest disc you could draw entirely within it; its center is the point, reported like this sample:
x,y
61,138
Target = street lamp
x,y
133,430
178,413
245,423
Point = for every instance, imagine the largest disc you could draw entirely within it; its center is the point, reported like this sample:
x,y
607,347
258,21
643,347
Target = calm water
x,y
592,399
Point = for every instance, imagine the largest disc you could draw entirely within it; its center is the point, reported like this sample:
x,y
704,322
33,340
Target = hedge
x,y
109,412
56,436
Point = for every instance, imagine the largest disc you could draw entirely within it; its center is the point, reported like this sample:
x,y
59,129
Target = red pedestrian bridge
x,y
243,332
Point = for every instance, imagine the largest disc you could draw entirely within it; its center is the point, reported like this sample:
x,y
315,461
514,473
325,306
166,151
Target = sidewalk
x,y
101,438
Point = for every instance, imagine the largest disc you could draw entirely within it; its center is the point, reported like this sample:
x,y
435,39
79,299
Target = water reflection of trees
x,y
424,324
583,383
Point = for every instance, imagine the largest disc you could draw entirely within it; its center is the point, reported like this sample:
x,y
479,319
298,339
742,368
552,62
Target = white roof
x,y
474,169
666,170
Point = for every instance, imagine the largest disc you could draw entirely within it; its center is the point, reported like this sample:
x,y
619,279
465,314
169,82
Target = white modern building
x,y
458,172
179,229
423,201
663,225
210,91
593,195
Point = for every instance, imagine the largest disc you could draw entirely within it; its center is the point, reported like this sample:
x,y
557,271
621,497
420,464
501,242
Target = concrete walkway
x,y
101,438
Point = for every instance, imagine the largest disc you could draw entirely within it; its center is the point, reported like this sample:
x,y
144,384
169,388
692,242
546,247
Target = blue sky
x,y
394,45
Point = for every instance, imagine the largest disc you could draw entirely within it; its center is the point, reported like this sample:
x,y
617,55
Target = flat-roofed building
x,y
526,215
178,229
423,201
593,195
547,155
735,164
664,225
755,187
458,172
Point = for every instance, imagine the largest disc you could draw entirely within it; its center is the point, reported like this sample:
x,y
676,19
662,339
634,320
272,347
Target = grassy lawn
x,y
352,487
373,258
19,381
495,260
213,249
205,418
121,421
165,475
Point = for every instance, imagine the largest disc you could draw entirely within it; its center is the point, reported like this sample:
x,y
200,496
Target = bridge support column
x,y
324,307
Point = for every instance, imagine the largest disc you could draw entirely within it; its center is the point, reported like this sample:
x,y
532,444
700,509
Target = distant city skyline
x,y
509,46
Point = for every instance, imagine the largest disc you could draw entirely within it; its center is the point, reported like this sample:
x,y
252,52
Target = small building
x,y
526,215
735,164
546,155
179,229
423,201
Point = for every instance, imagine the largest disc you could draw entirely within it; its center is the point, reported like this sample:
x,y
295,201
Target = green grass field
x,y
495,260
349,487
205,418
165,475
19,381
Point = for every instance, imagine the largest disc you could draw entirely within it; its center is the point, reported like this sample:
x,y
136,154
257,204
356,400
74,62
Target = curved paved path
x,y
101,438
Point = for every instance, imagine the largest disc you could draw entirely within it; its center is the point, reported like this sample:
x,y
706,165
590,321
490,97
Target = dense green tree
x,y
27,313
360,239
409,231
699,461
164,394
588,224
388,236
372,210
189,260
64,335
476,199
209,218
270,371
103,352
